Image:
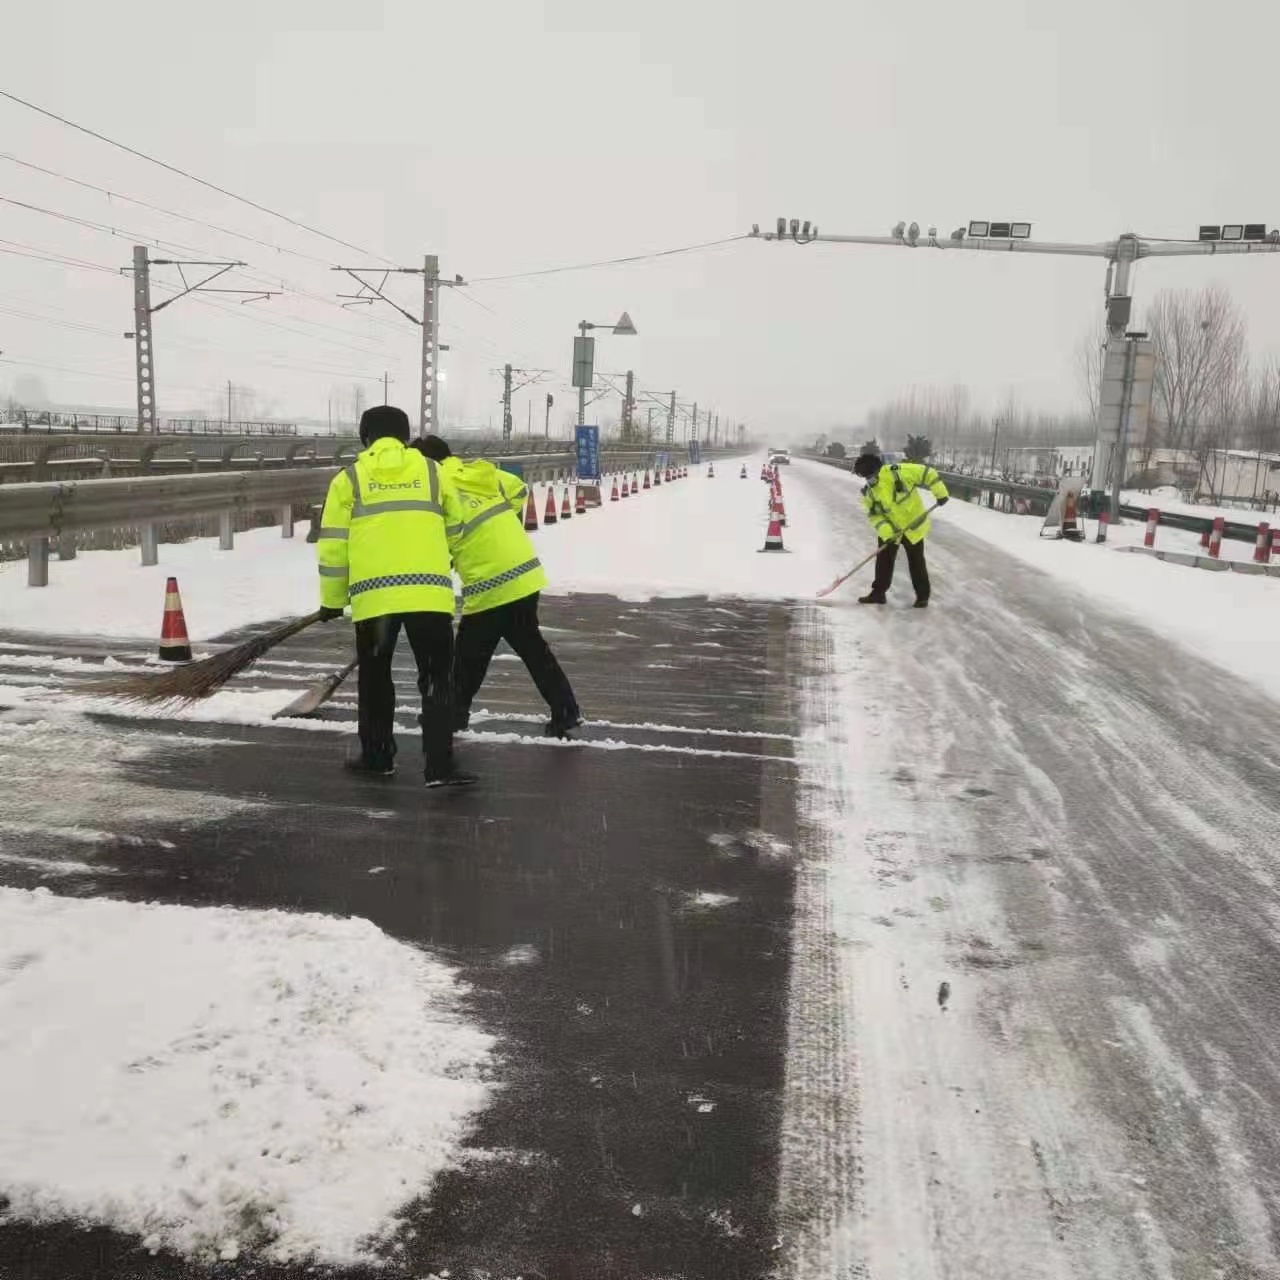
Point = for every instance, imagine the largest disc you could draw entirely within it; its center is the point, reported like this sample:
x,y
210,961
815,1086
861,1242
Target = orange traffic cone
x,y
174,644
613,497
549,515
743,476
531,513
773,538
711,471
657,477
779,511
626,487
566,511
635,488
580,501
646,484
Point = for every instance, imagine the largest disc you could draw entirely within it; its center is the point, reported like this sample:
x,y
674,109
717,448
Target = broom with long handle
x,y
196,680
844,577
315,696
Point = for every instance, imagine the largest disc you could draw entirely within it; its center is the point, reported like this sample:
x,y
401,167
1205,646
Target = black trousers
x,y
517,624
888,554
431,638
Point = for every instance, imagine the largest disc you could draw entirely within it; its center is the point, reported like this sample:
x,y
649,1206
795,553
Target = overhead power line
x,y
168,213
610,262
190,177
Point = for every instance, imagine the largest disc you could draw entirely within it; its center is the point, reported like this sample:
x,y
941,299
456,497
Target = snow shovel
x,y
315,696
840,581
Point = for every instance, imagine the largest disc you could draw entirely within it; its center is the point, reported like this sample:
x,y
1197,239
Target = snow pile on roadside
x,y
280,1084
109,593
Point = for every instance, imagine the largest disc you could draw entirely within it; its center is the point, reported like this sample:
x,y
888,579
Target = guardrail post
x,y
313,534
66,546
1262,548
193,460
38,562
150,544
286,520
226,531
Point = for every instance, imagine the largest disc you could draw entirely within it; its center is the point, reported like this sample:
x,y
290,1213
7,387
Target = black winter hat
x,y
868,465
384,420
433,447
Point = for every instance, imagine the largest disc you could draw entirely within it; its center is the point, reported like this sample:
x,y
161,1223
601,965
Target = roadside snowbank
x,y
280,1083
109,593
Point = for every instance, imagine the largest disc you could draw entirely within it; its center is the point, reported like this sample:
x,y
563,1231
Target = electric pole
x,y
229,418
628,404
385,381
671,421
143,346
428,421
509,387
694,433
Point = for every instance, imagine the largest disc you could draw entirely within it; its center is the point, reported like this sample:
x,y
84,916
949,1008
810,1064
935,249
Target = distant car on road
x,y
780,455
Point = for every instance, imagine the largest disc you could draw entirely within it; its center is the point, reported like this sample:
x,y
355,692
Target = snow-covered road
x,y
1051,891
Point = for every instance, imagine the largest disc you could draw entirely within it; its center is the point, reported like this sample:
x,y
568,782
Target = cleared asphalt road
x,y
643,1044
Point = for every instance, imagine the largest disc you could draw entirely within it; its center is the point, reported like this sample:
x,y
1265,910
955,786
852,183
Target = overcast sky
x,y
512,136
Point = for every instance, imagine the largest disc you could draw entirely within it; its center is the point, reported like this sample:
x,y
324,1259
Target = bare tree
x,y
1199,345
1090,354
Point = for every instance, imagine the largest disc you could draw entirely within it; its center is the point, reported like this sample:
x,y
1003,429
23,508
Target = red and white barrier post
x,y
1153,522
1215,537
1262,549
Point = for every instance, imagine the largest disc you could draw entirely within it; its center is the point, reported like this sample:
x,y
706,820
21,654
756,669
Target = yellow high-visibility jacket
x,y
492,554
893,501
382,541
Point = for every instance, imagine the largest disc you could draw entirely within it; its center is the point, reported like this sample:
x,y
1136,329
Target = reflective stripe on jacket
x,y
382,541
492,554
893,500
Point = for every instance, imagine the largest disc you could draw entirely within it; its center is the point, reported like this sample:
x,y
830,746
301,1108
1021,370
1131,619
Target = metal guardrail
x,y
48,456
35,514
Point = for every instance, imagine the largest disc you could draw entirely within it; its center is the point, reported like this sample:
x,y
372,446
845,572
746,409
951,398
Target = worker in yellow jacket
x,y
894,506
501,581
383,548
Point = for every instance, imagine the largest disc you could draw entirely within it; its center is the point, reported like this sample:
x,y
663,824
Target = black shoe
x,y
874,597
922,603
450,777
367,768
561,727
461,721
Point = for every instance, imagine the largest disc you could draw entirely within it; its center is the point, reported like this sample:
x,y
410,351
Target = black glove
x,y
327,614
942,502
